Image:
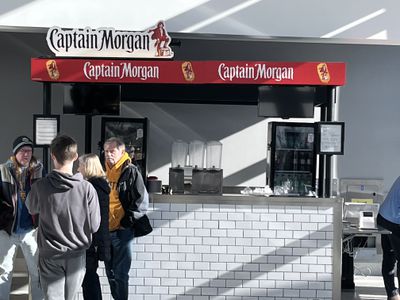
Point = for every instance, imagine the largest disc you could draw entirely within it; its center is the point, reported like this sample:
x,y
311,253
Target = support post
x,y
328,158
46,111
88,133
322,161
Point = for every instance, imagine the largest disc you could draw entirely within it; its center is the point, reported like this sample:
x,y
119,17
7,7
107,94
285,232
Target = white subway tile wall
x,y
229,252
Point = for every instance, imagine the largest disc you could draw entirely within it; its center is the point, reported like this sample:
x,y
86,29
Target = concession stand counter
x,y
220,245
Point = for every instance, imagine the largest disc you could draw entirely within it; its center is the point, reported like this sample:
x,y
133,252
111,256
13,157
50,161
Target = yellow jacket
x,y
116,210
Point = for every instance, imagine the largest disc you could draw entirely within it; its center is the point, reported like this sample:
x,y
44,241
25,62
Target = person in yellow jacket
x,y
129,201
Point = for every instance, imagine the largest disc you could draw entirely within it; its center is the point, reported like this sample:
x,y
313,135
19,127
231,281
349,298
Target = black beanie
x,y
20,142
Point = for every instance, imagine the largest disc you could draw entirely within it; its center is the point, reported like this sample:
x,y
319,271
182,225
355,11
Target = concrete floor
x,y
367,288
19,288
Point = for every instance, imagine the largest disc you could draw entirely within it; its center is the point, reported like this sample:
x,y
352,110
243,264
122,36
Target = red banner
x,y
188,72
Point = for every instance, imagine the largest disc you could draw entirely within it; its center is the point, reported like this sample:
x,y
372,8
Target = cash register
x,y
367,220
360,215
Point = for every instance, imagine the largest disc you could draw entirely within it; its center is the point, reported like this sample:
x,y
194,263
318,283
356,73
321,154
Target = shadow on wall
x,y
237,17
265,268
8,6
170,122
258,18
249,172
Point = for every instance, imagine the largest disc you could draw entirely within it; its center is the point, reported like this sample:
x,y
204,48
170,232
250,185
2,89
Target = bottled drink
x,y
301,184
309,161
278,161
302,161
296,184
295,161
138,153
278,180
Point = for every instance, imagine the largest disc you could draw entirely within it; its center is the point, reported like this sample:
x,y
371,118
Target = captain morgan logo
x,y
323,72
108,42
187,70
52,69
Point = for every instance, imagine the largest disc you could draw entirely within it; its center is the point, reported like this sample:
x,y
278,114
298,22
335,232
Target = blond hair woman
x,y
92,170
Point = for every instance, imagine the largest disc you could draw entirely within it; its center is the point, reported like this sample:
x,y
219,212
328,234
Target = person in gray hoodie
x,y
69,214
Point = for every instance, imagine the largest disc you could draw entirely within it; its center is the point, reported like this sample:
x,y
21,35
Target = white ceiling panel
x,y
344,19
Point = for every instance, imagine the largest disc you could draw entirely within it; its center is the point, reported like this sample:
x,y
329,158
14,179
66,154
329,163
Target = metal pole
x,y
335,117
88,133
321,161
328,175
46,111
328,157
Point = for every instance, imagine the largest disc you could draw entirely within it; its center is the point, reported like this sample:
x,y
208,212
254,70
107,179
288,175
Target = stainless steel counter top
x,y
243,199
351,230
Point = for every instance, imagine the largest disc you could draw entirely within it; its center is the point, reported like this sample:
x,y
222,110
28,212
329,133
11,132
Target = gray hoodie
x,y
69,214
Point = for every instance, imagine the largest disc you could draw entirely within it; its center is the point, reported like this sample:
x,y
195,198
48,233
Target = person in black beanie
x,y
17,226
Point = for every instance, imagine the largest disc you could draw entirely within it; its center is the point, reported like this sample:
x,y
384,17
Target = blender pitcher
x,y
209,180
196,154
213,155
178,154
176,172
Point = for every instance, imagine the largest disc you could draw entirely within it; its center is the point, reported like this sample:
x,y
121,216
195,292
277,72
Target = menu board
x,y
45,129
330,137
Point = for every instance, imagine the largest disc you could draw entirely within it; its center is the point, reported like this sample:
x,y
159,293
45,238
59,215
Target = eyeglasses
x,y
25,151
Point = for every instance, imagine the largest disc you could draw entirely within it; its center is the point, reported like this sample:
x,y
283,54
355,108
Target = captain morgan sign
x,y
187,72
108,42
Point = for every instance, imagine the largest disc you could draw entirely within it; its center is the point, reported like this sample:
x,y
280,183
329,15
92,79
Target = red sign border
x,y
59,70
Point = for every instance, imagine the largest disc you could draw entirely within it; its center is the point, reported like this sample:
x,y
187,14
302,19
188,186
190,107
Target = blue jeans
x,y
117,269
391,255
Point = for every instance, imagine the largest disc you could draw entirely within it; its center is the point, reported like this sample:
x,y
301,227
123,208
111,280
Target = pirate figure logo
x,y
187,70
323,72
162,39
52,69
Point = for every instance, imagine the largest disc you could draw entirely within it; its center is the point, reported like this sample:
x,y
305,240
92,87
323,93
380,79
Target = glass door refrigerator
x,y
134,134
291,158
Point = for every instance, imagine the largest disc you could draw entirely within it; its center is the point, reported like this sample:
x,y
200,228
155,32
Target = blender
x,y
209,180
178,161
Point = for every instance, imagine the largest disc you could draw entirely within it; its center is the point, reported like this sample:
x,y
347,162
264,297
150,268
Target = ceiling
x,y
341,19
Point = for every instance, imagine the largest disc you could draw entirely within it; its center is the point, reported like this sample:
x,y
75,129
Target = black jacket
x,y
132,194
9,190
101,239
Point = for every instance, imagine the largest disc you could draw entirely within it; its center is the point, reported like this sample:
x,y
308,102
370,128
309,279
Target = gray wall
x,y
369,105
